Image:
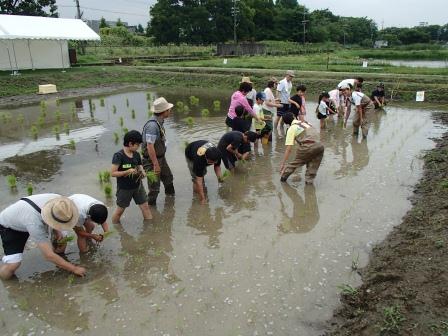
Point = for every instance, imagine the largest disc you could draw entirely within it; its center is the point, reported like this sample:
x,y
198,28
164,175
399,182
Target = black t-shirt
x,y
199,161
293,107
234,138
124,163
240,125
377,93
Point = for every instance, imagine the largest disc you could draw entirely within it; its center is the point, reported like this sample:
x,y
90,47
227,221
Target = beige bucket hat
x,y
290,73
60,213
246,80
160,105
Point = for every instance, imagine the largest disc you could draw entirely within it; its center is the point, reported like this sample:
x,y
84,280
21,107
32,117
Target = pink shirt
x,y
239,99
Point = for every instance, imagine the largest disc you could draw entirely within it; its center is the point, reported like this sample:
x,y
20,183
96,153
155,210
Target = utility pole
x,y
235,19
78,9
304,21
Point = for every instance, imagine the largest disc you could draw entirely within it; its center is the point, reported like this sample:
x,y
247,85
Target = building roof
x,y
13,27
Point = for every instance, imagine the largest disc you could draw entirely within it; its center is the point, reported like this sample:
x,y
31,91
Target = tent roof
x,y
14,27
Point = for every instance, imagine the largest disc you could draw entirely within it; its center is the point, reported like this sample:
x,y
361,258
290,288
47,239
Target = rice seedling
x,y
34,132
43,105
71,279
58,115
186,109
194,101
93,107
107,234
108,190
125,130
40,121
116,137
29,188
58,102
127,102
12,181
72,144
180,105
392,319
216,105
6,117
148,96
102,104
56,129
20,119
133,114
66,129
189,121
225,175
205,113
114,109
347,289
121,121
152,177
106,176
64,240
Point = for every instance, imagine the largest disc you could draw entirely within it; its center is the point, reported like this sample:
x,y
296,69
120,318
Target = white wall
x,y
45,54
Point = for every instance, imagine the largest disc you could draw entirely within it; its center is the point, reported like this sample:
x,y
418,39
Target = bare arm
x,y
114,172
153,157
233,151
199,181
49,255
218,173
285,158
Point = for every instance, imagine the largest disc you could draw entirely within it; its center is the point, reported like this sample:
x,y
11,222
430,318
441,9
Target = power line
x,y
104,10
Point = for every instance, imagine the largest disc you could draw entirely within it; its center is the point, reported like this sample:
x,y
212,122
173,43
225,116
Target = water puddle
x,y
262,258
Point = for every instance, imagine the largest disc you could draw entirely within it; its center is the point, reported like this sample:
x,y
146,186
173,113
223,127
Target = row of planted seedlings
x,y
11,181
194,102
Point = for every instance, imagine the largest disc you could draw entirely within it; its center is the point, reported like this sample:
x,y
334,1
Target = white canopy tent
x,y
34,42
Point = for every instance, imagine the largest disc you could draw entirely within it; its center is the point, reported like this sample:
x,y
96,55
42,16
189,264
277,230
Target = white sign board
x,y
420,96
365,64
225,61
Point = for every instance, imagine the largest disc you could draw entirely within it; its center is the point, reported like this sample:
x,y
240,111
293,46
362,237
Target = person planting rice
x,y
345,103
154,149
91,211
37,217
378,96
364,109
230,144
239,99
200,154
127,168
309,152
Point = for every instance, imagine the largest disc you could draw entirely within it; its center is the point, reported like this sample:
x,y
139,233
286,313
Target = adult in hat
x,y
344,108
39,217
154,149
251,96
378,96
284,93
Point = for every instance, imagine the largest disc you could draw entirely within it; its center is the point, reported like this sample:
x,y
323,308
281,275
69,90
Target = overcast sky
x,y
399,13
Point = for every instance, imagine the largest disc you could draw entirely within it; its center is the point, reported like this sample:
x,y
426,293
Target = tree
x,y
103,23
119,23
140,29
29,7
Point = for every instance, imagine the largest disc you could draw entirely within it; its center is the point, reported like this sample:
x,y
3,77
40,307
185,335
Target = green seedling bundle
x,y
11,180
29,188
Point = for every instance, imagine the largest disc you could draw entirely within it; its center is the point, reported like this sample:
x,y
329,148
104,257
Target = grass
x,y
392,319
346,289
72,144
11,180
29,188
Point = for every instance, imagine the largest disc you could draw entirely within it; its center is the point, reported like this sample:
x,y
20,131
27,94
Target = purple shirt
x,y
239,99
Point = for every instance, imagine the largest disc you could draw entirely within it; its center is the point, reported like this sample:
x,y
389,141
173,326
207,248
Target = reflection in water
x,y
200,218
148,255
360,153
376,120
305,214
44,165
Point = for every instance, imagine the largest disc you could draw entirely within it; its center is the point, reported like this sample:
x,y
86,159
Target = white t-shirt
x,y
322,108
357,97
284,87
270,98
83,203
252,95
22,217
334,96
350,81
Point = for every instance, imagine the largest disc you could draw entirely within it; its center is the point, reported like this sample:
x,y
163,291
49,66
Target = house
x,y
380,44
34,42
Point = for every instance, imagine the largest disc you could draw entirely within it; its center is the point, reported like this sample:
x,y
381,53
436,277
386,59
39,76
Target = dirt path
x,y
405,284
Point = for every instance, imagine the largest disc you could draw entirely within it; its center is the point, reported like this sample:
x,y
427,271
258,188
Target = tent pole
x,y
62,56
31,57
15,58
9,56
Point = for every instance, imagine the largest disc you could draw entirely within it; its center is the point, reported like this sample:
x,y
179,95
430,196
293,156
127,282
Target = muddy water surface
x,y
262,258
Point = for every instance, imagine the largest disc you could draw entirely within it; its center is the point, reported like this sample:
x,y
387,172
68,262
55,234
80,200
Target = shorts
x,y
124,196
13,244
282,110
321,116
192,173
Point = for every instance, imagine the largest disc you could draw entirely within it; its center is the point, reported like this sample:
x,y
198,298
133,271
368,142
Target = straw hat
x,y
273,79
160,105
290,73
60,213
246,80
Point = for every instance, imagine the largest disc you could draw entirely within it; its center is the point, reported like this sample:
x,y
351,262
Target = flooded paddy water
x,y
261,258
